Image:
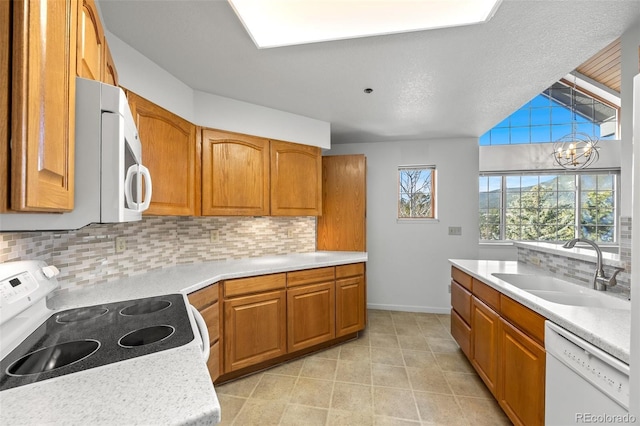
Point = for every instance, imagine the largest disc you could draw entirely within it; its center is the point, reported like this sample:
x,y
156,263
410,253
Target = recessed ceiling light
x,y
273,23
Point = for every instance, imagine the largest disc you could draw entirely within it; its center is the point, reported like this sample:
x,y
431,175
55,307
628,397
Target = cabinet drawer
x,y
461,301
461,333
352,270
310,276
258,284
205,297
461,278
211,317
487,294
213,364
524,318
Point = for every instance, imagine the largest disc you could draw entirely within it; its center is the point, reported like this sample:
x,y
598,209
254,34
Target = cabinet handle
x,y
204,333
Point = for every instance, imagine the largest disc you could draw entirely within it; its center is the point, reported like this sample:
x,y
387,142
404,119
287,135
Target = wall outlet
x,y
455,230
289,233
449,288
121,244
214,235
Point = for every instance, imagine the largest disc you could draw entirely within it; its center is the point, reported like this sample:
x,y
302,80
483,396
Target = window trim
x,y
578,207
433,189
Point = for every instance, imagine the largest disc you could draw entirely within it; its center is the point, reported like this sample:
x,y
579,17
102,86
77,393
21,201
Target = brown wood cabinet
x,y
486,328
172,154
343,224
5,90
522,376
43,105
207,302
255,329
90,45
296,179
351,306
235,174
110,73
310,315
504,341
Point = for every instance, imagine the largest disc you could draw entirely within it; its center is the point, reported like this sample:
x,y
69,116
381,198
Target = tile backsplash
x,y
581,271
88,255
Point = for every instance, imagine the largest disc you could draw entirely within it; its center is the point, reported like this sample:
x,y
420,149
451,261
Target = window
x,y
549,116
548,207
416,192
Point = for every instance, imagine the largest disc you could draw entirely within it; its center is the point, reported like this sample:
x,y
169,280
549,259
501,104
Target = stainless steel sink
x,y
562,292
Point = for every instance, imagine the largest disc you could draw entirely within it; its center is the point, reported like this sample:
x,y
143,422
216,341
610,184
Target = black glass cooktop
x,y
83,338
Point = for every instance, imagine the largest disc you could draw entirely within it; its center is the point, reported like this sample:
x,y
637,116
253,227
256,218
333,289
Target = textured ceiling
x,y
452,82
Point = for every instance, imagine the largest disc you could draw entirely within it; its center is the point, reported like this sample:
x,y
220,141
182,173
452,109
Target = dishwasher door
x,y
583,383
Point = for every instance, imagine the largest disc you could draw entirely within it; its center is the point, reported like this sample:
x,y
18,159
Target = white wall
x,y
144,77
408,266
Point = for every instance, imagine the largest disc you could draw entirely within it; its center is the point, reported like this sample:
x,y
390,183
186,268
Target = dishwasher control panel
x,y
607,373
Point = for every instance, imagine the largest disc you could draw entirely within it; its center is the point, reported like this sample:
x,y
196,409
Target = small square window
x,y
416,192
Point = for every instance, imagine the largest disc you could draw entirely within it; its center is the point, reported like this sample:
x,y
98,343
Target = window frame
x,y
433,191
578,208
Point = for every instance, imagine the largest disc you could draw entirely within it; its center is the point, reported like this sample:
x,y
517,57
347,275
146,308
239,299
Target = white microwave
x,y
111,183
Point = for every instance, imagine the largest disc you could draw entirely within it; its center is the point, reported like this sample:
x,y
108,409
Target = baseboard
x,y
405,308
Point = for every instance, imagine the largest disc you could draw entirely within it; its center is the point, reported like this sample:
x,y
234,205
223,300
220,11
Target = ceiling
x,y
445,83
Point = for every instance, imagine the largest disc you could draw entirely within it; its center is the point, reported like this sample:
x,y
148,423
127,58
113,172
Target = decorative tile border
x,y
88,255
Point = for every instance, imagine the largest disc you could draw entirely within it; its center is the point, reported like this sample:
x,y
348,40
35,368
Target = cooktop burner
x,y
83,338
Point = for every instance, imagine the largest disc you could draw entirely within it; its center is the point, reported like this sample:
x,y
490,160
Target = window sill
x,y
416,221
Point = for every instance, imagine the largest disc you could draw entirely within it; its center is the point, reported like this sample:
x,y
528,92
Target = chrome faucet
x,y
600,281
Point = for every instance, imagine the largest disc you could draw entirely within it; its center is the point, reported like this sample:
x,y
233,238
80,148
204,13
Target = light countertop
x,y
608,329
167,387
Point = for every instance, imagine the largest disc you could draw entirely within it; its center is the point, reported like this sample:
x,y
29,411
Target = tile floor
x,y
404,370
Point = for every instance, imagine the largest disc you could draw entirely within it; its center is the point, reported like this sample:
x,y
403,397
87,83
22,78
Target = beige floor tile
x,y
428,379
352,397
240,387
354,372
273,386
427,320
377,313
349,418
440,409
319,368
291,368
394,403
352,352
229,407
391,421
296,415
445,319
408,329
455,361
260,412
418,359
467,384
390,376
415,343
483,412
313,392
435,330
382,326
384,341
443,345
362,340
400,316
331,353
390,356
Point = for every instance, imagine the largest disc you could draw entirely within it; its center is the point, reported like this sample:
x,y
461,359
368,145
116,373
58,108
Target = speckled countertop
x,y
608,329
168,387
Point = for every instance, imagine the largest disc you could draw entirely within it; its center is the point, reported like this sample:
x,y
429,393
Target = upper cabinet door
x,y
90,44
235,174
296,179
110,75
5,91
171,152
43,105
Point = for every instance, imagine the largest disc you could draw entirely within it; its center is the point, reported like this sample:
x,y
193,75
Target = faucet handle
x,y
611,281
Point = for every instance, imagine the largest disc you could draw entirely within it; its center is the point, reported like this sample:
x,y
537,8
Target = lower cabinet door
x,y
311,315
521,377
461,332
350,305
486,327
255,329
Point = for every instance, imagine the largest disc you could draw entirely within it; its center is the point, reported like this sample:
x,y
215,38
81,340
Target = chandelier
x,y
576,150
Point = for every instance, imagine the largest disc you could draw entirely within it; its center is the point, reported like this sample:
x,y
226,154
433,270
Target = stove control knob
x,y
50,271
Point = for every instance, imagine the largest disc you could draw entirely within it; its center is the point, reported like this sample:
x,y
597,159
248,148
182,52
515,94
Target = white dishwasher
x,y
583,383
